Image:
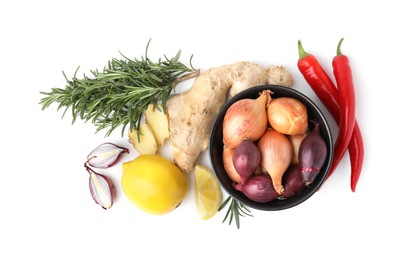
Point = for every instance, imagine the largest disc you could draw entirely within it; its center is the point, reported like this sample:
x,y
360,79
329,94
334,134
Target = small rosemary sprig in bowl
x,y
118,95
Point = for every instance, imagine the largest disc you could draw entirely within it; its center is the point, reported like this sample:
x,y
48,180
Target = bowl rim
x,y
312,108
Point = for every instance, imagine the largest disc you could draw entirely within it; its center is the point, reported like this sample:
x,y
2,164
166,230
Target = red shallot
x,y
101,188
312,154
292,181
246,159
258,188
105,155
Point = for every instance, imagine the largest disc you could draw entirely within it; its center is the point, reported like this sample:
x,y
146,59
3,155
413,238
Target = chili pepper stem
x,y
302,52
339,47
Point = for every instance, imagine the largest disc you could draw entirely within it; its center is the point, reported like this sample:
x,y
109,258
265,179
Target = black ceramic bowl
x,y
216,148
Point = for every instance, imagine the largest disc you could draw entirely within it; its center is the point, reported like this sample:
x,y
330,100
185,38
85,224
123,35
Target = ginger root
x,y
191,113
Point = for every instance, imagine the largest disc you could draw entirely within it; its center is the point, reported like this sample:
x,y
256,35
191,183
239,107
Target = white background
x,y
46,208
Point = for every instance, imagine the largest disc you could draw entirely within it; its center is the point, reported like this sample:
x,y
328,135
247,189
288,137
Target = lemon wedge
x,y
207,192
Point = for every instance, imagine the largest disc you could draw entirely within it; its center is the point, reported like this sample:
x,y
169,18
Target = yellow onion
x,y
288,116
295,140
246,119
229,165
276,156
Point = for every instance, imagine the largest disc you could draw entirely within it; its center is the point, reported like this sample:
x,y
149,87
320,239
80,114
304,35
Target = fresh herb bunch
x,y
120,94
235,211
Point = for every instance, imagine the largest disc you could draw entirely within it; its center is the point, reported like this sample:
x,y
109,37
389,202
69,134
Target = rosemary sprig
x,y
235,211
118,95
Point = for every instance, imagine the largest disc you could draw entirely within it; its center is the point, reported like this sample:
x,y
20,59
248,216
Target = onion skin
x,y
229,165
106,155
296,140
276,156
258,188
292,180
101,188
246,119
312,154
246,159
288,116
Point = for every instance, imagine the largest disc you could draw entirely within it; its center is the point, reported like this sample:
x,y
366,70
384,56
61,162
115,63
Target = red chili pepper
x,y
325,89
356,149
347,98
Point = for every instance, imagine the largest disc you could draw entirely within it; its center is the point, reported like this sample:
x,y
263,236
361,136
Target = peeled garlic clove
x,y
105,155
101,189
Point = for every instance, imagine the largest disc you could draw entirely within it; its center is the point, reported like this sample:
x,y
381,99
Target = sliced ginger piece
x,y
147,143
157,120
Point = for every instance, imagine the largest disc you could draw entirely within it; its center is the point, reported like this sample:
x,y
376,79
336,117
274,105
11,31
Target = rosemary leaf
x,y
235,210
118,95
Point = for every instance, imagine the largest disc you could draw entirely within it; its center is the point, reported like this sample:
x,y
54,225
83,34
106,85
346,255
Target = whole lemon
x,y
154,184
